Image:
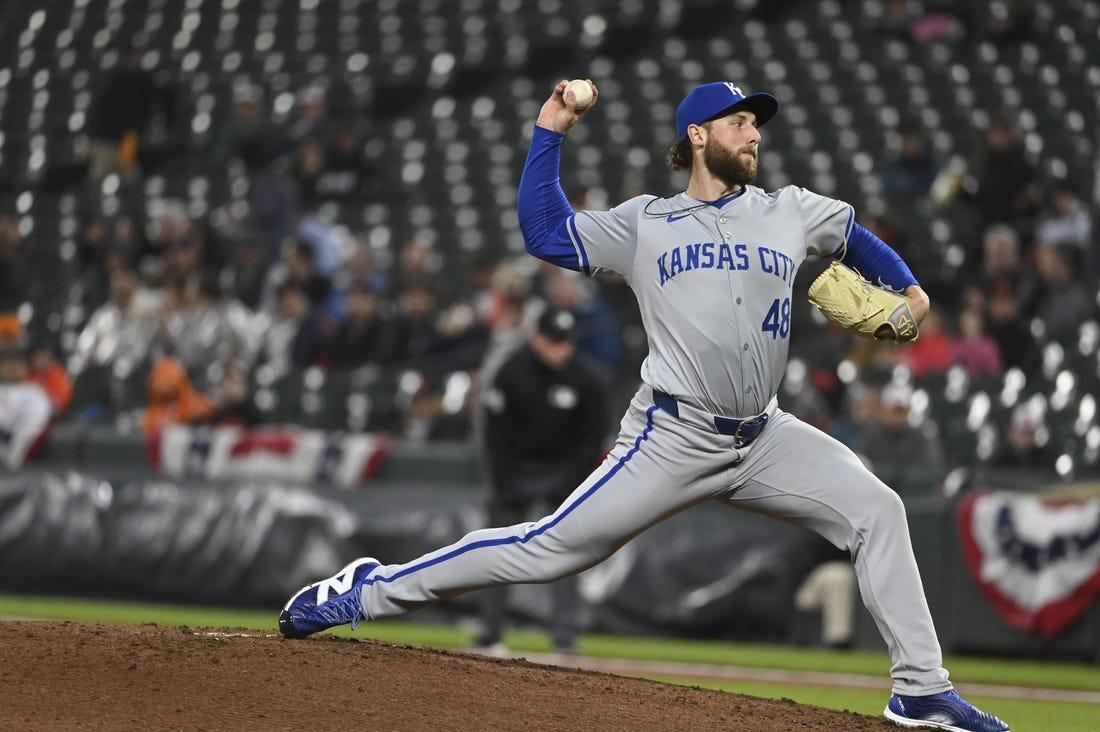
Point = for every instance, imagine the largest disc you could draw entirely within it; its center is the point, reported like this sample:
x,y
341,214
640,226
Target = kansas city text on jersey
x,y
720,255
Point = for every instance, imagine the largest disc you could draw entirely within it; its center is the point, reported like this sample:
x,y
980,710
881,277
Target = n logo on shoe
x,y
339,584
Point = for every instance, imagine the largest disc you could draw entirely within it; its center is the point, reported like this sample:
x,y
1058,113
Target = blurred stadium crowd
x,y
253,211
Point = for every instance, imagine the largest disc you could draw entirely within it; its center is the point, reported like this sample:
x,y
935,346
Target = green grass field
x,y
1022,715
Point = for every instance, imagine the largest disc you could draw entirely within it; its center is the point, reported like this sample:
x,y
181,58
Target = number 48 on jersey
x,y
778,320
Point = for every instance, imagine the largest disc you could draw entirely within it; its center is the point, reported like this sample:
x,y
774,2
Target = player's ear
x,y
697,134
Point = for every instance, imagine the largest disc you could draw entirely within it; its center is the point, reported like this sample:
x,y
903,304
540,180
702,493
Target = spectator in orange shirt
x,y
49,373
172,399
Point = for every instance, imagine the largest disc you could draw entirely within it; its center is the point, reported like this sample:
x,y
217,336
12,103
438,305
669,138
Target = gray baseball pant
x,y
662,465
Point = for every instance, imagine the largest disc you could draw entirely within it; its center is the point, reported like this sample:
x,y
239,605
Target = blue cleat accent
x,y
328,603
946,710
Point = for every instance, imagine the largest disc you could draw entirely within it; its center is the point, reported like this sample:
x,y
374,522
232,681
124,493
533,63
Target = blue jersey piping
x,y
579,244
540,530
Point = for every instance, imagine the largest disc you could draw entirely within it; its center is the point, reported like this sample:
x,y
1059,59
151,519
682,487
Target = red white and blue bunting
x,y
287,454
1037,560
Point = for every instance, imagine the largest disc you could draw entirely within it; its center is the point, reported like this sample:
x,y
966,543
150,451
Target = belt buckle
x,y
738,438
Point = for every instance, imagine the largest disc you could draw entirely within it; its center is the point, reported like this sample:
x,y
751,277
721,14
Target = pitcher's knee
x,y
878,511
881,502
889,503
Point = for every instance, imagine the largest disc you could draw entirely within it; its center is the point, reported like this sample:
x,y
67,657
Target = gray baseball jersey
x,y
714,284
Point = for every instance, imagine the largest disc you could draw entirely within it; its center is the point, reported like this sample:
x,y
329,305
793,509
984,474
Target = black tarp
x,y
711,570
245,544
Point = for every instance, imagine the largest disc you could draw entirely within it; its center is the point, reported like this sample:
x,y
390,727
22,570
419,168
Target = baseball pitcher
x,y
712,269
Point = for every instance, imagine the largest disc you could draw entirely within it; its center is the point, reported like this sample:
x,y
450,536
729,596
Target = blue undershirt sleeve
x,y
545,216
874,259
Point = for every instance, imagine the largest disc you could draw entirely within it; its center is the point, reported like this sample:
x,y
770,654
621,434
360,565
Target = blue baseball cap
x,y
708,101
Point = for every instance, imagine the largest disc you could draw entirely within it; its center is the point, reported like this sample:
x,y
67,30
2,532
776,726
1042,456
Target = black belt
x,y
742,430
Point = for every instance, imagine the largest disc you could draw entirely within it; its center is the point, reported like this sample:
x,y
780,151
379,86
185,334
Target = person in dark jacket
x,y
363,337
123,103
546,418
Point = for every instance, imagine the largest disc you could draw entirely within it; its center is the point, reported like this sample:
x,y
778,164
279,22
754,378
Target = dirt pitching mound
x,y
68,675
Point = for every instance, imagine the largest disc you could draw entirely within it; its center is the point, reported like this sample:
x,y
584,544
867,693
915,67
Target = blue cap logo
x,y
717,98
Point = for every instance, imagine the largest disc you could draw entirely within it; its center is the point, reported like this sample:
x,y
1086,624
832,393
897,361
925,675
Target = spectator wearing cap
x,y
310,120
1026,440
545,422
907,456
1066,222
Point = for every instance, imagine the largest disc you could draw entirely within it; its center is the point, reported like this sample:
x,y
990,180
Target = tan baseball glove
x,y
849,300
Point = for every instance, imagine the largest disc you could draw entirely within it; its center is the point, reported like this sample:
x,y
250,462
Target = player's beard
x,y
728,164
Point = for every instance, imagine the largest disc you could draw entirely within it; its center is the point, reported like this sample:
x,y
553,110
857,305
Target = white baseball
x,y
582,93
